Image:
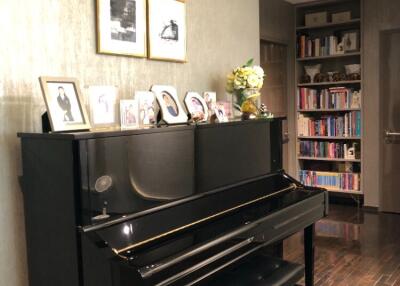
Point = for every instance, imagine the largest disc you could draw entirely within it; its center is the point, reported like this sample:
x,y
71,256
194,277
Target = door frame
x,y
290,90
382,34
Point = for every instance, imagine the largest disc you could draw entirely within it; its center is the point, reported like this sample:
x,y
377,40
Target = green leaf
x,y
249,63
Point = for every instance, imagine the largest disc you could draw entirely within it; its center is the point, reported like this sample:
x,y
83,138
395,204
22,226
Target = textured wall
x,y
57,37
379,15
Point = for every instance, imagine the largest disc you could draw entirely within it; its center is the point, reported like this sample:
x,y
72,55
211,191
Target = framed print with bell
x,y
167,30
121,27
64,104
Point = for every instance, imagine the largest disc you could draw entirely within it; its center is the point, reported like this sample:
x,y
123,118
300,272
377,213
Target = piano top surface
x,y
114,132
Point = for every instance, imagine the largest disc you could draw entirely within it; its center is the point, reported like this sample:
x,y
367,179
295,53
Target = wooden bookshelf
x,y
329,83
330,63
329,57
328,110
329,137
329,159
330,25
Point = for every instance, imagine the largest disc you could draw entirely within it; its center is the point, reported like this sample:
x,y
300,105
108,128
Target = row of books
x,y
330,150
317,47
347,125
331,98
330,180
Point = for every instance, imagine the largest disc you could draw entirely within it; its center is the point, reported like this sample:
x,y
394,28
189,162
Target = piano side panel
x,y
49,181
226,154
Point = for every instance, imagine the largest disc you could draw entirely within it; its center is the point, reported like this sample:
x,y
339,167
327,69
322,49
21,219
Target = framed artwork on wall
x,y
167,30
64,104
196,106
129,114
121,27
171,110
103,109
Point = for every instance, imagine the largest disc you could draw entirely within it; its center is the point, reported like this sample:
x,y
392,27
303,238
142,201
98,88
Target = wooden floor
x,y
353,248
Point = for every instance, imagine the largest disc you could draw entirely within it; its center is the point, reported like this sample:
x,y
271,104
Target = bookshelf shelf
x,y
330,83
352,22
329,137
322,40
329,159
329,57
328,110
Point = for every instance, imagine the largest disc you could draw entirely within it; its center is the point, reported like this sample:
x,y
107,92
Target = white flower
x,y
259,71
253,81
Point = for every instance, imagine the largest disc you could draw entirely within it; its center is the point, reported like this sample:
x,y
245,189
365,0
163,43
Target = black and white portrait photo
x,y
167,30
123,20
121,27
64,105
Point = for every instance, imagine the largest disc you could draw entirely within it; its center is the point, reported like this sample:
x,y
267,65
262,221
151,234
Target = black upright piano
x,y
179,205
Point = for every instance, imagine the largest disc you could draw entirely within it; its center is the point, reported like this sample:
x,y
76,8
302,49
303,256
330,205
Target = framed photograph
x,y
171,110
210,98
351,41
121,27
64,104
220,112
228,108
129,114
147,107
167,30
196,106
103,109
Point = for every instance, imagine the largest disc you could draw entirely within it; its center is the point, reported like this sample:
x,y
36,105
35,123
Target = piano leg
x,y
309,254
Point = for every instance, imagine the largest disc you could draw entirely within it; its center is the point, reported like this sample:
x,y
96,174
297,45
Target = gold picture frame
x,y
65,107
121,31
167,30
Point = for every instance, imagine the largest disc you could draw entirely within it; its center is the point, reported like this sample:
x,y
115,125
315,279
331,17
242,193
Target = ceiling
x,y
299,1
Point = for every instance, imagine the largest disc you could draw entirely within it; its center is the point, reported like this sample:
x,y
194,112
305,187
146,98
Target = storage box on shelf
x,y
329,95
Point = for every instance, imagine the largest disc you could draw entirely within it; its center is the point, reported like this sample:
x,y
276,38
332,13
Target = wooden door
x,y
274,92
390,121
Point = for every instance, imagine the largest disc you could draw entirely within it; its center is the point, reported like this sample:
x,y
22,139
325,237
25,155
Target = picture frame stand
x,y
46,127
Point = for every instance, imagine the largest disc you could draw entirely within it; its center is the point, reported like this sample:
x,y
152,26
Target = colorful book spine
x,y
331,180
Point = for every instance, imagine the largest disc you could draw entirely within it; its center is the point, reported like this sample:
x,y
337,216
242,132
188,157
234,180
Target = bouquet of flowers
x,y
245,82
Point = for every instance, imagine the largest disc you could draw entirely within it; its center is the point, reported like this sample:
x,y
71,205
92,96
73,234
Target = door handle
x,y
389,133
285,138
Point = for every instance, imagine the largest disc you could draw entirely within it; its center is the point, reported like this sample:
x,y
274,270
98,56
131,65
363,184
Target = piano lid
x,y
132,234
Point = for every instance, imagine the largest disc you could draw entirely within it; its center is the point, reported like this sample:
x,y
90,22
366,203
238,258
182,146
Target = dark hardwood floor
x,y
353,248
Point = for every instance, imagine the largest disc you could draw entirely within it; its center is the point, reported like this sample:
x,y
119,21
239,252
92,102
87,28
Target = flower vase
x,y
249,103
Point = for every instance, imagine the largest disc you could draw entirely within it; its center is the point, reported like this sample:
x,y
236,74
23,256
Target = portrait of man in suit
x,y
65,104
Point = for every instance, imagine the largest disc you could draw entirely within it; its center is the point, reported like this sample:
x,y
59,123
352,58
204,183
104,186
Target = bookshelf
x,y
329,112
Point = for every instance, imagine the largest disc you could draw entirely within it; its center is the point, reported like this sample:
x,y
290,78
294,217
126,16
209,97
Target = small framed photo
x,y
227,107
171,110
196,106
121,27
351,41
210,98
167,30
220,112
147,107
64,104
129,114
103,106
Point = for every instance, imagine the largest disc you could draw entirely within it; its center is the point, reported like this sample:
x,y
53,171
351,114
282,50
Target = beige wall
x,y
378,15
277,20
57,37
